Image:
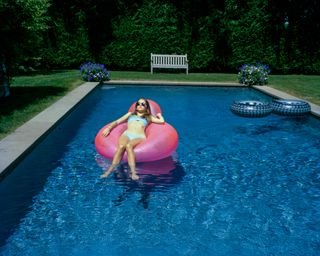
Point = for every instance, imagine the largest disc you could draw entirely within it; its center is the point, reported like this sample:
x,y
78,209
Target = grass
x,y
301,86
192,77
32,94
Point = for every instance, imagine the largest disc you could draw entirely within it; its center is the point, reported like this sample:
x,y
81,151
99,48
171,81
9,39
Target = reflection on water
x,y
154,176
288,124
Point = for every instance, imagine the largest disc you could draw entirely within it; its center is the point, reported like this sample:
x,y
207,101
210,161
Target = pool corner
x,y
315,109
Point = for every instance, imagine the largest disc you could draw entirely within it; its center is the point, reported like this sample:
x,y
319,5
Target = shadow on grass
x,y
21,97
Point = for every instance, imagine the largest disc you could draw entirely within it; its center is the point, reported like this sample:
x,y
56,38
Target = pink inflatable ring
x,y
161,139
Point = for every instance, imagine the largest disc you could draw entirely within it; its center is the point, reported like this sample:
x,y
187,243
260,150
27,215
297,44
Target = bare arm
x,y
115,123
158,119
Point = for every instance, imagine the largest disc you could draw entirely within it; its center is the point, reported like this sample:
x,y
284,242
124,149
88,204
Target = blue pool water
x,y
236,186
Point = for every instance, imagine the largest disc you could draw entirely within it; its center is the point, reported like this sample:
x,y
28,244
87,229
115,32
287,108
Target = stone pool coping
x,y
17,144
315,109
167,82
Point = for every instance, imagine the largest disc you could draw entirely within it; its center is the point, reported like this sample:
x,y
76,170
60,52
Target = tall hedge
x,y
153,28
217,35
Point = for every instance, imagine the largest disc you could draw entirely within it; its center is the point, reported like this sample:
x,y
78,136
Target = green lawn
x,y
32,94
192,77
304,87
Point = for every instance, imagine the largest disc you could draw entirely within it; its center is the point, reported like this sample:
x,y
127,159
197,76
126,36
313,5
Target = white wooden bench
x,y
169,61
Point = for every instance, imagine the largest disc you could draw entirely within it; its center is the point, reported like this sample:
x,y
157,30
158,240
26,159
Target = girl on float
x,y
135,134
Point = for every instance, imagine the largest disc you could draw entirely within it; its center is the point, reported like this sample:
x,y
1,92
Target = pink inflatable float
x,y
161,139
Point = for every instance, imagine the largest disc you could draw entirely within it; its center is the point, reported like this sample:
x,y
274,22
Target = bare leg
x,y
131,157
123,141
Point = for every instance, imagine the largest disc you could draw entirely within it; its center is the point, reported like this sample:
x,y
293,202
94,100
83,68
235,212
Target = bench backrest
x,y
169,60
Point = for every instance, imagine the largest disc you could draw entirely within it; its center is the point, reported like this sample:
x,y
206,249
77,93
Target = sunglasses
x,y
141,104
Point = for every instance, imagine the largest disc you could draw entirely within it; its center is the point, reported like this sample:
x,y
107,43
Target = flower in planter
x,y
93,72
254,74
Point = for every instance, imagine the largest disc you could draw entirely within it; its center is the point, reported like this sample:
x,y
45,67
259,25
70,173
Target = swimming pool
x,y
236,186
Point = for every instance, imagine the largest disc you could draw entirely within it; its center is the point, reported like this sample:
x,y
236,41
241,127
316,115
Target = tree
x,y
153,28
21,22
294,35
66,42
248,36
